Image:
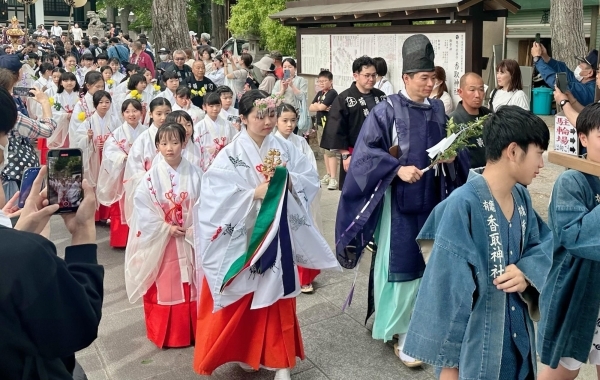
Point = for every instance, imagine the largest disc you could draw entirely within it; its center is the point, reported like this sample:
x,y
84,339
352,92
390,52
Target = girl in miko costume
x,y
287,118
144,150
110,190
63,106
191,152
85,106
159,260
90,138
250,230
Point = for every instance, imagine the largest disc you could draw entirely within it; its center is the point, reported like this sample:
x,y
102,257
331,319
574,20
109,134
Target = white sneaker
x,y
283,374
325,180
333,184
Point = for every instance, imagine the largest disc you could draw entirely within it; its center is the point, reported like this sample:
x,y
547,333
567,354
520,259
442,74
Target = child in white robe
x,y
287,119
212,133
144,150
191,152
159,262
63,106
172,82
85,106
183,101
110,189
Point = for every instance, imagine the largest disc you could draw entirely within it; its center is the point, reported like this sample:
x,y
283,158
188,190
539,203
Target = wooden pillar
x,y
594,28
473,46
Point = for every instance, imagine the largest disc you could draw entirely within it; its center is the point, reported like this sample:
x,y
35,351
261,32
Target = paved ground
x,y
338,345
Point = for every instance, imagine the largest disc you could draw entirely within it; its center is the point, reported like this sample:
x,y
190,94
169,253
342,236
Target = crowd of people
x,y
200,165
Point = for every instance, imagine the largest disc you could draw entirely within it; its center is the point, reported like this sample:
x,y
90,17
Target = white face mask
x,y
4,149
163,57
577,74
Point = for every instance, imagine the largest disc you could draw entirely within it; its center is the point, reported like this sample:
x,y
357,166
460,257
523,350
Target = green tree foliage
x,y
251,17
141,8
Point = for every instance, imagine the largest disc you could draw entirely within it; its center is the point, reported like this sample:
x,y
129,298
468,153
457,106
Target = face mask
x,y
163,57
577,74
4,149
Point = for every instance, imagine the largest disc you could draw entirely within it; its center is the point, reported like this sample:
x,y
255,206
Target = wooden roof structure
x,y
303,12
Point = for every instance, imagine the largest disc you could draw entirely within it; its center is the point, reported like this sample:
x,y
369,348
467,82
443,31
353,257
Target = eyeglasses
x,y
179,59
369,76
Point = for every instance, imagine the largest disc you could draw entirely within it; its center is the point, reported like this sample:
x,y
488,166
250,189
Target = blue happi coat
x,y
373,169
460,315
571,297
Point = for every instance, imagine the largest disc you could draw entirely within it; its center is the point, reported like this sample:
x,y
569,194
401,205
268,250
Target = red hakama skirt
x,y
268,336
118,230
43,148
307,276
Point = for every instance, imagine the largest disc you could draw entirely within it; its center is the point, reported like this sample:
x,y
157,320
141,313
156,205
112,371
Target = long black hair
x,y
157,102
174,117
91,78
67,75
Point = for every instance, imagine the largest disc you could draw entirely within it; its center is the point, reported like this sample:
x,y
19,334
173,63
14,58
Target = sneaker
x,y
307,288
333,184
325,180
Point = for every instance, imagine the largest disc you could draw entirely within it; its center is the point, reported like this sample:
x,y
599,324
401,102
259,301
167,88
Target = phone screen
x,y
29,175
22,91
286,74
65,174
561,82
537,38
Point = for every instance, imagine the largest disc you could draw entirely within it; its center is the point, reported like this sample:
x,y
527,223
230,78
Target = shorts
x,y
594,357
326,152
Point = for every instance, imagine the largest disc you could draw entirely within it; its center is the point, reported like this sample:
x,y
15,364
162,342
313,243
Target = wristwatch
x,y
563,102
346,156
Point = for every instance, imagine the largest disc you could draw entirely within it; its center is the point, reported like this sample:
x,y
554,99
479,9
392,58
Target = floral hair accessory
x,y
268,103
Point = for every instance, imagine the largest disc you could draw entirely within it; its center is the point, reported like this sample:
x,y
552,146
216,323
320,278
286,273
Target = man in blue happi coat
x,y
489,255
388,196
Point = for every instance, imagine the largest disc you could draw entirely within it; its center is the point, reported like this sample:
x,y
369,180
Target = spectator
x,y
165,62
570,106
118,50
199,84
581,81
278,61
217,75
77,32
141,58
147,48
440,90
24,129
190,57
50,307
182,70
510,87
382,82
205,56
267,68
292,89
471,107
239,75
56,30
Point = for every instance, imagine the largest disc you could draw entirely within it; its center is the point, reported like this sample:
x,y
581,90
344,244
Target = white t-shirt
x,y
510,98
56,31
385,85
448,102
77,34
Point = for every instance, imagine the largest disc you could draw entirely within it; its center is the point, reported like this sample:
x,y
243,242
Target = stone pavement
x,y
338,345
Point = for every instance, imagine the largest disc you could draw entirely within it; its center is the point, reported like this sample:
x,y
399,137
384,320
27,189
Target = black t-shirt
x,y
183,73
476,149
326,98
370,100
196,85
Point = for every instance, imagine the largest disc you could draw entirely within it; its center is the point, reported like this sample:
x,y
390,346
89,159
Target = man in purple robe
x,y
388,196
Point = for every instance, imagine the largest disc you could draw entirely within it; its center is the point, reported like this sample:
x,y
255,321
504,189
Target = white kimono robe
x,y
142,153
167,94
155,211
211,137
86,105
74,193
61,116
225,217
102,128
301,144
195,112
110,187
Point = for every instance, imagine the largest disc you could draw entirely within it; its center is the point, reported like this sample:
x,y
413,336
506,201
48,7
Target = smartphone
x,y
22,91
286,74
65,174
233,119
537,38
561,82
29,175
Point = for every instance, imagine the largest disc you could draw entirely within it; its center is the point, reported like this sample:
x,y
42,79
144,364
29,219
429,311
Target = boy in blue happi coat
x,y
569,332
489,255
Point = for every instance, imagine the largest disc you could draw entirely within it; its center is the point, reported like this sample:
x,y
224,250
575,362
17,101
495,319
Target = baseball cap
x,y
163,51
591,59
10,62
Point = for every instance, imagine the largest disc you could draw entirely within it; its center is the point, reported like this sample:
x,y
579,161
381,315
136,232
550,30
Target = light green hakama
x,y
394,301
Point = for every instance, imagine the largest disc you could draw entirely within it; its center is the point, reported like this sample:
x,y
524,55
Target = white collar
x,y
425,101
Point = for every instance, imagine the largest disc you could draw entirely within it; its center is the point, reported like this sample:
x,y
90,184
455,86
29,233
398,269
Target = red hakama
x,y
118,230
268,336
307,276
170,325
43,148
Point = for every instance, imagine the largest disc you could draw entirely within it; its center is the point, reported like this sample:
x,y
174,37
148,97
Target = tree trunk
x,y
219,20
124,16
170,25
566,23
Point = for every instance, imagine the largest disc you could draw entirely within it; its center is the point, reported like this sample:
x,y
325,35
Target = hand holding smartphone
x,y
286,74
562,82
65,176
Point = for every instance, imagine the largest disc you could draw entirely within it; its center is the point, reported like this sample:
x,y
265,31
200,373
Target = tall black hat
x,y
417,55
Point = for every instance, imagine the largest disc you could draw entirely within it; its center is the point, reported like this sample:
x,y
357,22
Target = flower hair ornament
x,y
266,104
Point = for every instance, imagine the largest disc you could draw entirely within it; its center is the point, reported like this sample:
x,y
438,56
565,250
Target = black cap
x,y
417,55
591,59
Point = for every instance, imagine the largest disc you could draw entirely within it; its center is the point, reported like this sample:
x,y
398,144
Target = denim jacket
x,y
570,298
459,316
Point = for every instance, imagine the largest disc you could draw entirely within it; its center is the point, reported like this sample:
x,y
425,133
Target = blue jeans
x,y
10,188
